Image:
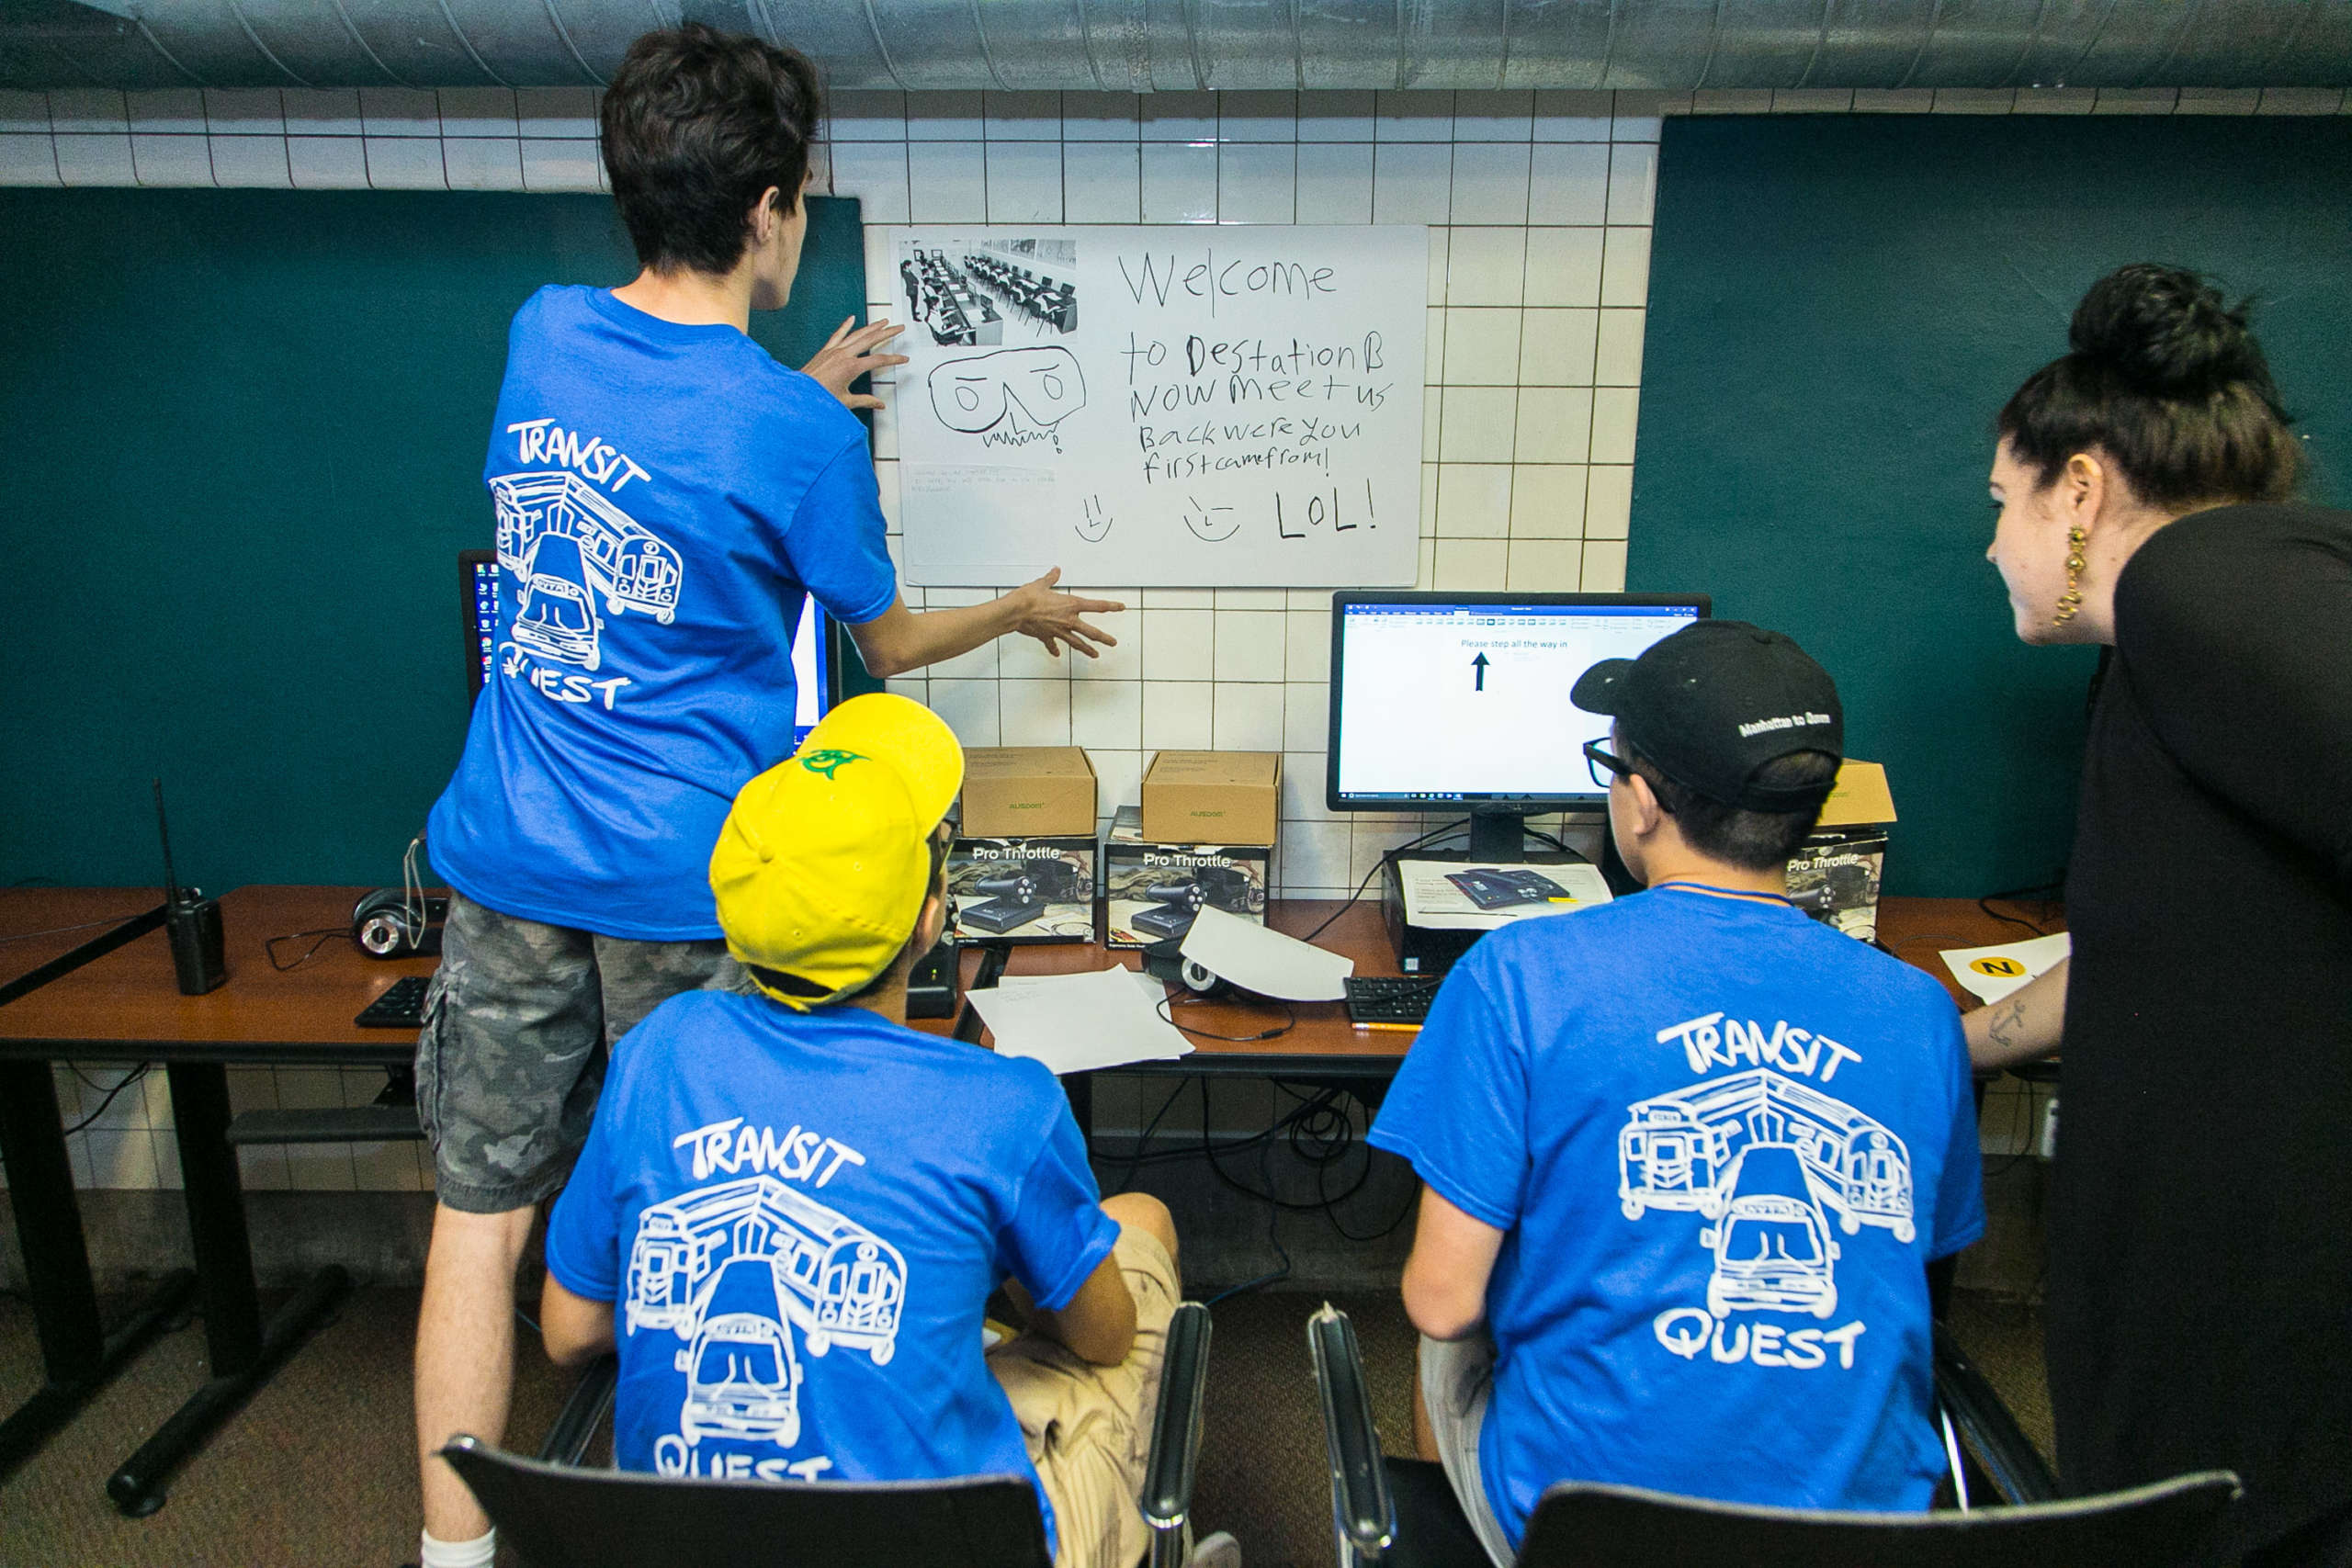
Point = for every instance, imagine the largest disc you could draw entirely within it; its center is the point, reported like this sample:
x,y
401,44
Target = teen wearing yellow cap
x,y
790,1245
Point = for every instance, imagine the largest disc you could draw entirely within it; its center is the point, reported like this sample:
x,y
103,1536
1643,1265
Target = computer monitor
x,y
816,655
1461,700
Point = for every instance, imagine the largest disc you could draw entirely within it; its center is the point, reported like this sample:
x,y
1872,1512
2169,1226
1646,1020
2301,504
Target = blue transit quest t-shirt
x,y
664,493
1724,1141
799,1244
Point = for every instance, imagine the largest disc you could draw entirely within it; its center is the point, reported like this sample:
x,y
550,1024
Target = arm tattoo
x,y
2002,1030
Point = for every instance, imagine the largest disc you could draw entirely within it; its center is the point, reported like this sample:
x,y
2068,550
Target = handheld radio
x,y
191,922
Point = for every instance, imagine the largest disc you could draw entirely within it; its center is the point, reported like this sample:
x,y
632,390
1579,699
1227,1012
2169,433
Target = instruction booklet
x,y
1451,895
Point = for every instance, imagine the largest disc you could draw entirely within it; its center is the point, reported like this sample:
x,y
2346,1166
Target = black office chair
x,y
558,1516
1403,1513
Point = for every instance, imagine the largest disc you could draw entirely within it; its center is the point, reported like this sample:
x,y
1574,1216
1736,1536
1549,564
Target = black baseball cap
x,y
1715,702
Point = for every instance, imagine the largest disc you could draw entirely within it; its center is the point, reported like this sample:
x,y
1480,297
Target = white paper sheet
x,y
1436,903
1154,991
1264,961
1994,972
1077,1023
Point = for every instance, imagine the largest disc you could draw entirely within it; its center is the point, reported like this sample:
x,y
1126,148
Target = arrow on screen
x,y
1479,664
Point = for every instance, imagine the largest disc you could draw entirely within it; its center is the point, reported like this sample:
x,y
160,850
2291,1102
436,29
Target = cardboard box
x,y
1028,792
1152,889
1835,874
1022,890
1859,798
1225,797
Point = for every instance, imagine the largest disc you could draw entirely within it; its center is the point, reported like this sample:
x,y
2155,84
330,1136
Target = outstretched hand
x,y
848,355
1058,620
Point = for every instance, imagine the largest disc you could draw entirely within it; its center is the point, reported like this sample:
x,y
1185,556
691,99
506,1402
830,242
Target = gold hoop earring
x,y
2072,600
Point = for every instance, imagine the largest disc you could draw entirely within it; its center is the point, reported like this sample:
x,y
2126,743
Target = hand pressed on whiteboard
x,y
848,355
1059,619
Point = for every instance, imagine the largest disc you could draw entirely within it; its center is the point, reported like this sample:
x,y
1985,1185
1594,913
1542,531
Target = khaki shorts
x,y
1457,1377
1088,1428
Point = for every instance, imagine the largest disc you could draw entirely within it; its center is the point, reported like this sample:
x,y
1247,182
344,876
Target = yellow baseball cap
x,y
824,860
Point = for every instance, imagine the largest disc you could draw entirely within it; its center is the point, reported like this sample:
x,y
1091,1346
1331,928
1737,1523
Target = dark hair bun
x,y
2166,332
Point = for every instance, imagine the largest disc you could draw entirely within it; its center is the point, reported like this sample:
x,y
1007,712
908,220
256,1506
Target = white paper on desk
x,y
1434,903
1077,1023
1264,961
1994,972
1154,991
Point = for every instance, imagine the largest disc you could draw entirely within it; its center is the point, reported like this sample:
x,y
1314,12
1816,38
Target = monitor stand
x,y
1499,837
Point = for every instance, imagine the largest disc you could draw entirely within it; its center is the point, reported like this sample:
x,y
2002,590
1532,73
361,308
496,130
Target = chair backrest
x,y
556,1517
1583,1525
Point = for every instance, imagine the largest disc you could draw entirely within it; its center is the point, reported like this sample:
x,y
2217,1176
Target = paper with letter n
x,y
1994,972
1159,407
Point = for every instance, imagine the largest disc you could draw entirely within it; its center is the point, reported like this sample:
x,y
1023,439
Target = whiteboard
x,y
1160,407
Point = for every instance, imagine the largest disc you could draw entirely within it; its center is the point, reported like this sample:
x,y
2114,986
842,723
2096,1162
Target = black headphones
x,y
400,922
1165,962
389,923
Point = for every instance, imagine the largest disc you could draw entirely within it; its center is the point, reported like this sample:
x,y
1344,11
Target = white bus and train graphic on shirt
x,y
751,1274
1777,1170
571,550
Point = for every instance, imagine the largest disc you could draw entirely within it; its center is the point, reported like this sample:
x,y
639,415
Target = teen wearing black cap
x,y
2200,1216
1687,1156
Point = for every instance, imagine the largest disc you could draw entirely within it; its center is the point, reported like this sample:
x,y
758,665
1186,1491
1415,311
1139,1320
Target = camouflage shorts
x,y
516,1025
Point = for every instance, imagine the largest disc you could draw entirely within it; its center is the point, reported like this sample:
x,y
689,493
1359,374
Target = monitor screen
x,y
480,588
1463,698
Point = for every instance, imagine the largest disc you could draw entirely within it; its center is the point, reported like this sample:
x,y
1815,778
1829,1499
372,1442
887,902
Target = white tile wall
x,y
1539,204
127,1141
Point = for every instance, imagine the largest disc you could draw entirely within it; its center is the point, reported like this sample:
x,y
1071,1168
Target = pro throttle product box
x,y
1835,874
1153,889
1213,798
1028,792
1022,890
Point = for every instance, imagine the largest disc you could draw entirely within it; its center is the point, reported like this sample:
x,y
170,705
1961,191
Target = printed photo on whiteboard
x,y
998,290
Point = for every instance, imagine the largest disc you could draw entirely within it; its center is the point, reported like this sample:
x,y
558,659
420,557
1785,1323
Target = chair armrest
x,y
1363,1514
2007,1455
1176,1427
575,1426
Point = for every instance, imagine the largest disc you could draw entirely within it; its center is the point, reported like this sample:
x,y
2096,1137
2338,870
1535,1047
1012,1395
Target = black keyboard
x,y
401,1007
1390,1001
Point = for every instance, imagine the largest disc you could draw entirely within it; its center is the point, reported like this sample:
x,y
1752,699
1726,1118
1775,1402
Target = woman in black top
x,y
2200,1211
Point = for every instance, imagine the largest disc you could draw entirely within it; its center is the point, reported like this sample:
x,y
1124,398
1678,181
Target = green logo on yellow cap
x,y
826,762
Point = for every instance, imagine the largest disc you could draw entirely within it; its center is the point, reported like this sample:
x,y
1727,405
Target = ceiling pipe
x,y
1180,45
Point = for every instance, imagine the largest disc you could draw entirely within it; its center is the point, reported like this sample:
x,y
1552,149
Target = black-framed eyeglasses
x,y
1603,767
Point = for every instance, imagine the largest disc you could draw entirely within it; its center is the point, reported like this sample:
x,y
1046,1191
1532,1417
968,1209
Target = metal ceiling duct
x,y
1172,45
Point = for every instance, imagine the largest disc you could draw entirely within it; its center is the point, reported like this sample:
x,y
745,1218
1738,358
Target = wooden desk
x,y
1916,929
126,1007
1321,1040
45,935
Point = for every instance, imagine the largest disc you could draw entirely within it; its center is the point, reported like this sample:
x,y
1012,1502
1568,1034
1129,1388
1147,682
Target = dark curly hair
x,y
697,124
2167,380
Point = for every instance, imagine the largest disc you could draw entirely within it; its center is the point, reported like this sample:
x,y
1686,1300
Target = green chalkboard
x,y
245,432
1839,306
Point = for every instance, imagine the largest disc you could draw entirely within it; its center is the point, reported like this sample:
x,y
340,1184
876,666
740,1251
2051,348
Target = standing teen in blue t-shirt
x,y
789,1245
665,493
1687,1157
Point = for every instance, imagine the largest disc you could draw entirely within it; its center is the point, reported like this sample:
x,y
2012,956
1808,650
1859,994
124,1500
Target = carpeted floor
x,y
317,1470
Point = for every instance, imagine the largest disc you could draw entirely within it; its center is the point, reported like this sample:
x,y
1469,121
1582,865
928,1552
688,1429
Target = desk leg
x,y
76,1359
244,1352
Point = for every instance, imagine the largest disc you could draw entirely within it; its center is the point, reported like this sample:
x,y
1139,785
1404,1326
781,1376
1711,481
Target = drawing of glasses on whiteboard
x,y
1042,386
